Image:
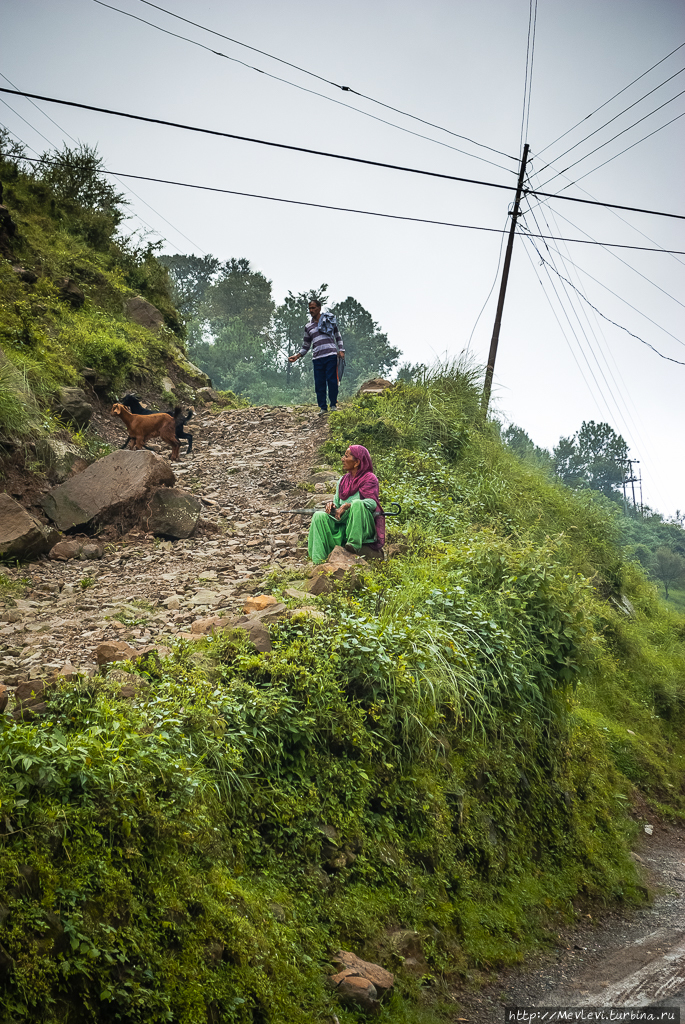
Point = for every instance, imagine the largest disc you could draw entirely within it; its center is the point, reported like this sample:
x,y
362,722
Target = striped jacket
x,y
322,344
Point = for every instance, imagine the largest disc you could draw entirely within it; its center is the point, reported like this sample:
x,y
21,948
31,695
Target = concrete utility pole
x,y
485,400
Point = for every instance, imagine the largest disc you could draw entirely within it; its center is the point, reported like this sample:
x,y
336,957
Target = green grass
x,y
473,722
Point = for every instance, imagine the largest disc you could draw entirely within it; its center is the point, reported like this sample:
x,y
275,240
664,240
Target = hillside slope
x,y
433,776
80,304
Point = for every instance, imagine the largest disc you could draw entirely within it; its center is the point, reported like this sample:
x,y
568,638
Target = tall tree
x,y
239,291
669,568
367,350
518,440
595,457
190,278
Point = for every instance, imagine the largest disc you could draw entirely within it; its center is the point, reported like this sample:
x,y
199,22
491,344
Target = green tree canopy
x,y
190,278
239,291
595,457
518,440
668,568
367,350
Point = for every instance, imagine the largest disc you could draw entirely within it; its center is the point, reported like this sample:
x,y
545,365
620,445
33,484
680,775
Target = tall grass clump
x,y
19,414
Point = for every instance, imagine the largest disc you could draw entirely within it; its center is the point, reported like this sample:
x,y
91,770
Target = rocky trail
x,y
244,468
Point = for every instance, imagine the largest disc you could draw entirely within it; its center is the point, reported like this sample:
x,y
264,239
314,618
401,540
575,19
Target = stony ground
x,y
245,467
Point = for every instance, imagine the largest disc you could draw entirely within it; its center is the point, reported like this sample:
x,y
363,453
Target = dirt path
x,y
244,467
632,961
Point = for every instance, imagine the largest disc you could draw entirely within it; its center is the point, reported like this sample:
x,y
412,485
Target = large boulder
x,y
73,406
172,512
144,313
21,534
114,489
70,292
61,458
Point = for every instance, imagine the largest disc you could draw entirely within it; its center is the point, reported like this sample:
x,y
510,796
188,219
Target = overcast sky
x,y
461,66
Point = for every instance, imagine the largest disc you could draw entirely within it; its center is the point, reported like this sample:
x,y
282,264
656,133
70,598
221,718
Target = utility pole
x,y
632,480
485,400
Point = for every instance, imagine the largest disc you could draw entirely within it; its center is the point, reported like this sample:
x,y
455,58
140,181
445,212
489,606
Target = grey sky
x,y
460,65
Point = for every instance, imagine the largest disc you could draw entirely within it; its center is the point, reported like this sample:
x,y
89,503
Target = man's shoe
x,y
352,549
323,412
334,408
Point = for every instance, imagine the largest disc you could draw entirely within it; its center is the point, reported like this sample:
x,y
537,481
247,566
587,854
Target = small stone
x,y
257,603
308,610
209,625
172,603
354,990
4,697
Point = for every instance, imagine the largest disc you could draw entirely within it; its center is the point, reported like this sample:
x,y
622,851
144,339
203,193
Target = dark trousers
x,y
326,372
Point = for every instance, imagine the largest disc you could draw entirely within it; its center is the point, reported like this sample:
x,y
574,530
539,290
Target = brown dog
x,y
142,428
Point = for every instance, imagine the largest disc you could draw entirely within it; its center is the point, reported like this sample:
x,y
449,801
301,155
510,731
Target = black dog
x,y
132,402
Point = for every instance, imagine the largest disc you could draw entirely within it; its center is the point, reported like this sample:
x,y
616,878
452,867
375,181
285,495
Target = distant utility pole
x,y
485,400
632,480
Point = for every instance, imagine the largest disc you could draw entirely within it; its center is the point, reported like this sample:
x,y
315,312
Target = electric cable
x,y
492,287
632,146
606,102
336,85
612,210
561,328
583,331
374,213
617,296
334,156
616,256
620,113
633,426
127,187
669,359
614,137
528,79
302,88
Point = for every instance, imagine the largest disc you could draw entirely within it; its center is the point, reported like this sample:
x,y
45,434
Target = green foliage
x,y
595,457
452,750
18,409
366,347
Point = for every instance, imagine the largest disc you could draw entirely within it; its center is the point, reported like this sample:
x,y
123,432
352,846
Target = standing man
x,y
323,336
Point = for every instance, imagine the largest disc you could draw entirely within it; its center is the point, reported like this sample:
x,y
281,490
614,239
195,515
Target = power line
x,y
632,146
528,79
616,256
597,341
617,296
302,88
563,332
606,102
492,288
614,137
642,340
336,85
375,213
333,156
582,329
127,187
620,113
612,210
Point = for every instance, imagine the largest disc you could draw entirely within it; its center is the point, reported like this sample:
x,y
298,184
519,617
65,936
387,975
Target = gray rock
x,y
61,458
98,381
70,292
73,406
207,395
144,313
21,534
111,490
173,512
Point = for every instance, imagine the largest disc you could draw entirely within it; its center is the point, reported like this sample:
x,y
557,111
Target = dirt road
x,y
632,961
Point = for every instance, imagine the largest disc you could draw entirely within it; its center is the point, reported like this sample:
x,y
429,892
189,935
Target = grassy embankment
x,y
45,340
471,723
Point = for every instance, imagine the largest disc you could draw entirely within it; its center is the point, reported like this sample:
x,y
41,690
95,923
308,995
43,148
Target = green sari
x,y
356,527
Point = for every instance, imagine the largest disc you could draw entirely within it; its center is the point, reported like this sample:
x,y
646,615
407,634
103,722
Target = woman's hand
x,y
343,508
329,507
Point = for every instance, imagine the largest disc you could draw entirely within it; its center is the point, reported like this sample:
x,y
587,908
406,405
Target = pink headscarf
x,y
366,482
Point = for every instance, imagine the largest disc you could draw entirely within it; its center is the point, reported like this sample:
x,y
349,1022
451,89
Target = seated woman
x,y
355,518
